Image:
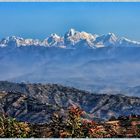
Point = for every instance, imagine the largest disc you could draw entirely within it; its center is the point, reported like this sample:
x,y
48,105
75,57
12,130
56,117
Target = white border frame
x,y
69,0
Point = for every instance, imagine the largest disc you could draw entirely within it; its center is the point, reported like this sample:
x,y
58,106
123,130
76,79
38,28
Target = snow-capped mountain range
x,y
72,39
99,63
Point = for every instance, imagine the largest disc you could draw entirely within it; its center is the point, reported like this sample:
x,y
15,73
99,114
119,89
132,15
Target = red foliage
x,y
76,111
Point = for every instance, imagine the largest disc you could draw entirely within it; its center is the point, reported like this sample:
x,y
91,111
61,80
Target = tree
x,y
74,123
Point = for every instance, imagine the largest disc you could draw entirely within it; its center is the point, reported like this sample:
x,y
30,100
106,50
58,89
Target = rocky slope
x,y
35,102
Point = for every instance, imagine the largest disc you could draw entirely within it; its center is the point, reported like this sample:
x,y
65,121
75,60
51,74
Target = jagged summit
x,y
11,41
112,36
72,39
71,32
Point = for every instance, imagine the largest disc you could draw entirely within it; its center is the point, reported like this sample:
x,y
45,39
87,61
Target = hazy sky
x,y
38,20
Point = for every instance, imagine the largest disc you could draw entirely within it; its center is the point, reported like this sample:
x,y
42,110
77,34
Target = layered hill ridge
x,y
36,102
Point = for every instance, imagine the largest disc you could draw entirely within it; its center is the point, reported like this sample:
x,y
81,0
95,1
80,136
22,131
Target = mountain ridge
x,y
71,39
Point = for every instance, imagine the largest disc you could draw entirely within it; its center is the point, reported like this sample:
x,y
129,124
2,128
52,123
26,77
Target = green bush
x,y
11,128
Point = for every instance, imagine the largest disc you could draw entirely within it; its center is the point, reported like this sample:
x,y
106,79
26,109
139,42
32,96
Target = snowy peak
x,y
14,41
53,38
106,40
111,37
72,39
124,42
71,32
53,41
11,41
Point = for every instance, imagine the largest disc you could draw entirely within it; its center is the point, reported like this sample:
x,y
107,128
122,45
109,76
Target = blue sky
x,y
39,20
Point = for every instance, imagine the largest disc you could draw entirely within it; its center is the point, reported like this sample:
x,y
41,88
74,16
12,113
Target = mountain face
x,y
36,102
103,64
14,41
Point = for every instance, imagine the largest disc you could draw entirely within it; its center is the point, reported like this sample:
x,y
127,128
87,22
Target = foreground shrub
x,y
74,123
69,126
11,128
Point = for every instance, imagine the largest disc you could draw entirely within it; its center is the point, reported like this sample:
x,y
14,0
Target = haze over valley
x,y
98,63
